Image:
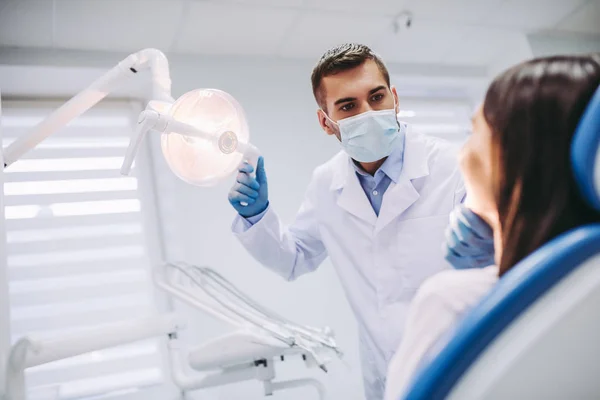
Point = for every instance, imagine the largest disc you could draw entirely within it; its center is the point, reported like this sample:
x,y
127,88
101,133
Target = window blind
x,y
76,248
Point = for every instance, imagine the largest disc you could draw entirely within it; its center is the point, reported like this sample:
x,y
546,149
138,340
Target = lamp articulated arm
x,y
151,59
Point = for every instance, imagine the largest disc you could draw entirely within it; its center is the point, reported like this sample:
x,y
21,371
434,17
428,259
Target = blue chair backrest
x,y
524,284
585,152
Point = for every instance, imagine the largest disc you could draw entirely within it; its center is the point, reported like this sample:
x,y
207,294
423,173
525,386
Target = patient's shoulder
x,y
458,289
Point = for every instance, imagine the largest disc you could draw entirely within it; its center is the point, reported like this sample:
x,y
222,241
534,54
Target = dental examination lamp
x,y
204,138
204,133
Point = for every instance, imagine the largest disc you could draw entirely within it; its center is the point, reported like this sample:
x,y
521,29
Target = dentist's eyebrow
x,y
377,89
344,100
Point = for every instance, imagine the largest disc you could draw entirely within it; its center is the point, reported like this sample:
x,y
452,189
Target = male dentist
x,y
378,208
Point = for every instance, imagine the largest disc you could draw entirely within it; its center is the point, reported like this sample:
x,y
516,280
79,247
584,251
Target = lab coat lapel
x,y
400,196
352,197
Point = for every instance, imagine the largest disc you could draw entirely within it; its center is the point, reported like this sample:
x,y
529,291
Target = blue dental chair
x,y
537,334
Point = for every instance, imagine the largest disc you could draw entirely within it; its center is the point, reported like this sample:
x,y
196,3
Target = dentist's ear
x,y
325,123
396,100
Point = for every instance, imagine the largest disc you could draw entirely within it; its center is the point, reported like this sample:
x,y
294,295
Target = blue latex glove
x,y
469,240
253,191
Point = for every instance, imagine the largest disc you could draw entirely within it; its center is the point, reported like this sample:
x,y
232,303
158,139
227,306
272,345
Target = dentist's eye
x,y
347,107
377,97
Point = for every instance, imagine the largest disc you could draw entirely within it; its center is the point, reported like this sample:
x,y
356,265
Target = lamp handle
x,y
251,155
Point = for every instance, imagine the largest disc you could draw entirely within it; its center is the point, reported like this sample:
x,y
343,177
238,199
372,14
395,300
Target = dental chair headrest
x,y
585,152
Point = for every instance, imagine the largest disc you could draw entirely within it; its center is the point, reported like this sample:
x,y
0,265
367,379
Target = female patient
x,y
519,180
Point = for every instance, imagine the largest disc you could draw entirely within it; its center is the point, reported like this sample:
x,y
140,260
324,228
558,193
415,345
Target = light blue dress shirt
x,y
376,185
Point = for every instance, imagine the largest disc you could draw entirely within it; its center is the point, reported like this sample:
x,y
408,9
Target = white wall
x,y
277,98
547,44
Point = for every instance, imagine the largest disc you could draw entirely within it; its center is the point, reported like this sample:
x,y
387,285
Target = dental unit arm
x,y
247,354
204,137
129,67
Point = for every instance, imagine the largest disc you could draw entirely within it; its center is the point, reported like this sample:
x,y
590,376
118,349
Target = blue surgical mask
x,y
372,135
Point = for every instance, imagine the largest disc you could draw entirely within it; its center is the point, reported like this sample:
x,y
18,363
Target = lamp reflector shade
x,y
199,161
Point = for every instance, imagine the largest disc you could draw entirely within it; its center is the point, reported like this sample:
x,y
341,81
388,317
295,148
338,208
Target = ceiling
x,y
450,32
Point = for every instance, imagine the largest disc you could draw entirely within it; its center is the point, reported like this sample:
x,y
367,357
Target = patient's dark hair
x,y
533,110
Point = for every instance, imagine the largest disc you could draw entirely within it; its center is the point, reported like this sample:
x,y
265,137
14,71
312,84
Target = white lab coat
x,y
380,261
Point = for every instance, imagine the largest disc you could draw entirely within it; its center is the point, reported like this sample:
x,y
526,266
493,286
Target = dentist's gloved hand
x,y
469,240
253,191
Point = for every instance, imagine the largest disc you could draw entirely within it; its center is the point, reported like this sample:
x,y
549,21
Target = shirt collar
x,y
416,155
391,167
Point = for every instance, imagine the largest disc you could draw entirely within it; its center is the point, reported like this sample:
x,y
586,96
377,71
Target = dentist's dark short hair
x,y
343,58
